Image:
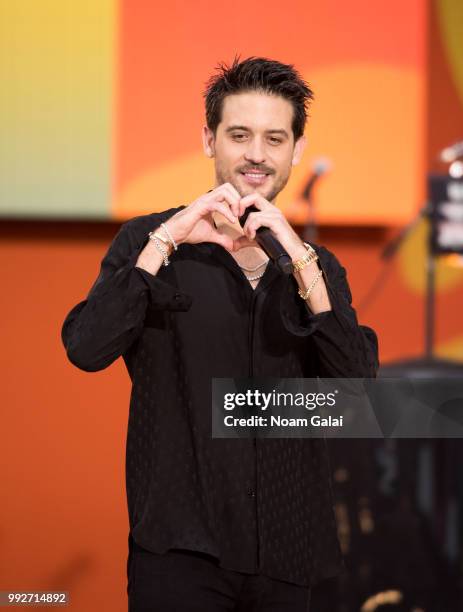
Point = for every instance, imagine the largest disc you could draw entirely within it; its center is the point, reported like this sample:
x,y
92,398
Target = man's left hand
x,y
268,216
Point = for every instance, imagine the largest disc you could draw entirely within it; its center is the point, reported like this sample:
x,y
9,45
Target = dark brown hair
x,y
258,74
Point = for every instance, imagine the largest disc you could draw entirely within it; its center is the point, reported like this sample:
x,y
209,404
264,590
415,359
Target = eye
x,y
238,136
275,140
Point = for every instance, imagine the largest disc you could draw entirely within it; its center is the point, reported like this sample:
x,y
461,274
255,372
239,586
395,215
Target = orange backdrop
x,y
364,60
63,513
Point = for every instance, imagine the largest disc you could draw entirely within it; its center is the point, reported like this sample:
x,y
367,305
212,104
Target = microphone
x,y
319,168
267,241
452,153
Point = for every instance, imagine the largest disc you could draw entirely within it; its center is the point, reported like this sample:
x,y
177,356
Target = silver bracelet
x,y
169,235
161,249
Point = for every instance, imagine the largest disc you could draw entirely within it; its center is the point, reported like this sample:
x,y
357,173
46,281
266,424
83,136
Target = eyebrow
x,y
246,129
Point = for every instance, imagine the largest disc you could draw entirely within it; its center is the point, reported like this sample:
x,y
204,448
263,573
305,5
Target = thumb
x,y
223,240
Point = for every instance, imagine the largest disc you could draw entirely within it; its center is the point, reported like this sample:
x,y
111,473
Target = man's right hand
x,y
194,224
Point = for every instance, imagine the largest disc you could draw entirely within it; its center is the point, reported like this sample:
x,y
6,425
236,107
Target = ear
x,y
208,141
298,150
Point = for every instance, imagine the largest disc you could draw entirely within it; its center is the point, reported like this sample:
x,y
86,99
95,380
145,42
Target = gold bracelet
x,y
308,258
305,294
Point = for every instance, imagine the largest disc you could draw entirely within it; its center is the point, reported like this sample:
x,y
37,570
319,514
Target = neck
x,y
248,256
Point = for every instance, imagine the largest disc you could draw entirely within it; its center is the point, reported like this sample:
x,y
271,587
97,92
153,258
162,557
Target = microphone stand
x,y
310,233
428,365
321,166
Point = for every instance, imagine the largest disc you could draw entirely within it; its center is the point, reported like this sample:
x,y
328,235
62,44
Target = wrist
x,y
150,258
165,239
297,250
167,229
306,257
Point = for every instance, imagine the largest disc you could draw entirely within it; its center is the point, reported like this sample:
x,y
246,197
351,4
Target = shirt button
x,y
251,493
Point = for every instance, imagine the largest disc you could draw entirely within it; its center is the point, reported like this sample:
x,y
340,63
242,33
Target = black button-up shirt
x,y
258,505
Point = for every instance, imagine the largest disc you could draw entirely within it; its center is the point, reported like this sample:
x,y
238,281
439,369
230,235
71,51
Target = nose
x,y
255,153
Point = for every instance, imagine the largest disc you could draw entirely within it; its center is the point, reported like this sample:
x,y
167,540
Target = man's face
x,y
254,146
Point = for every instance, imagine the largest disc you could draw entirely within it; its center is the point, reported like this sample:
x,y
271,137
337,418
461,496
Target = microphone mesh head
x,y
322,165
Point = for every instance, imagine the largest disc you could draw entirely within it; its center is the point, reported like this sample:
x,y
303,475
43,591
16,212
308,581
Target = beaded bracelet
x,y
163,239
161,249
169,235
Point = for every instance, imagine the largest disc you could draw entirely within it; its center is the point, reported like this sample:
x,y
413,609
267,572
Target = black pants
x,y
182,580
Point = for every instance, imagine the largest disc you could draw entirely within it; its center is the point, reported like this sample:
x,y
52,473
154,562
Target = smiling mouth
x,y
254,178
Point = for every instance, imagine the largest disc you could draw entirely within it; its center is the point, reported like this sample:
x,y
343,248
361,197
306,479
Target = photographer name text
x,y
278,421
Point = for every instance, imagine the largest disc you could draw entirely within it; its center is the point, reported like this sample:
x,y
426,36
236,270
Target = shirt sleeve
x,y
102,327
343,348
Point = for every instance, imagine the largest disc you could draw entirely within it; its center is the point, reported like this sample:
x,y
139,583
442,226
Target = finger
x,y
235,195
224,210
250,200
228,193
225,197
253,198
256,220
233,190
222,239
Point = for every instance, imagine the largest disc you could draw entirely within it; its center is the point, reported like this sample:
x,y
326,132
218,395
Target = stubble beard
x,y
232,178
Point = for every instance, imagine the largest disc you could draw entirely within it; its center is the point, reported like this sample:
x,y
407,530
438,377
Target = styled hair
x,y
262,75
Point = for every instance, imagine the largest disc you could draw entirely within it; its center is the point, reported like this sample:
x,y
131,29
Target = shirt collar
x,y
220,253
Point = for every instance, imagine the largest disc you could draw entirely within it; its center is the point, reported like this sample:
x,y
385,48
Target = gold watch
x,y
308,258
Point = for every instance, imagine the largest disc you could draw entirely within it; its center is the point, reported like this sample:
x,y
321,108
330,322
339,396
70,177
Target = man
x,y
186,295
